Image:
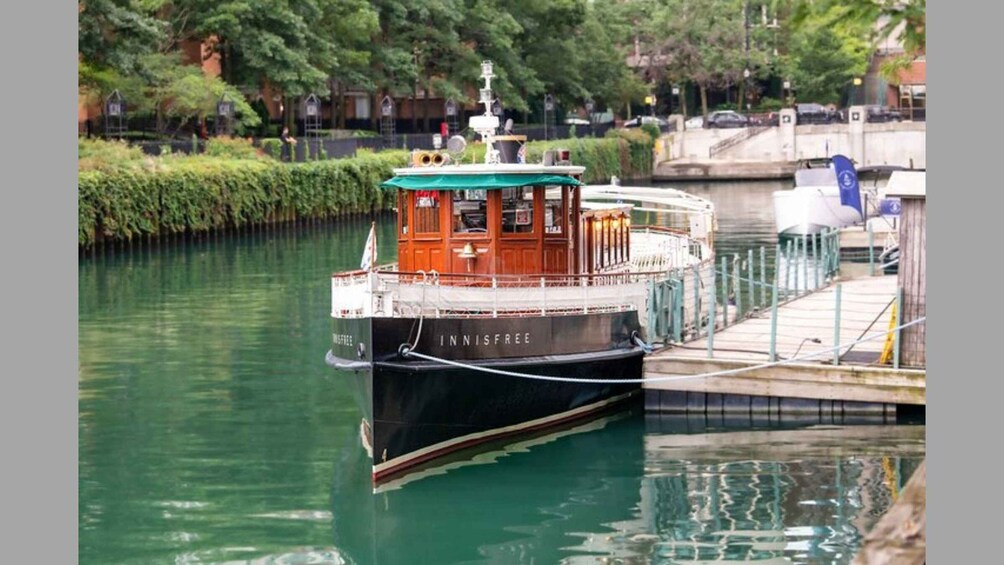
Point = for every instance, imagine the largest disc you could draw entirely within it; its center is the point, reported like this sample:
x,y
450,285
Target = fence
x,y
311,147
697,301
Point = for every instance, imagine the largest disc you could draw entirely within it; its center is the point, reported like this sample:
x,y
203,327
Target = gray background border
x,y
38,225
38,230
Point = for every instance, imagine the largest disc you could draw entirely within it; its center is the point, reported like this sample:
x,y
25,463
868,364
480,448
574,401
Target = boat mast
x,y
487,124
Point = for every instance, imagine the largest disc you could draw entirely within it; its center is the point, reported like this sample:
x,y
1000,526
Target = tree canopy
x,y
576,50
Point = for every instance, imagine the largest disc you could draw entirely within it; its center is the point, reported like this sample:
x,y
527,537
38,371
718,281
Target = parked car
x,y
726,119
875,113
812,113
639,121
697,122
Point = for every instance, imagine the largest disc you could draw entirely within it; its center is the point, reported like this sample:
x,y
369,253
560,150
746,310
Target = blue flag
x,y
847,181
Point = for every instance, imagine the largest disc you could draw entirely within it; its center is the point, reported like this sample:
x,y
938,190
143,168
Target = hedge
x,y
201,193
121,200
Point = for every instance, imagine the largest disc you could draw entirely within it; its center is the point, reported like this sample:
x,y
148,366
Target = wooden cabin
x,y
505,220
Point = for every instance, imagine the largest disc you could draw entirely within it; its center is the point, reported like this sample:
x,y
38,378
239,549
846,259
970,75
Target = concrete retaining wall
x,y
895,143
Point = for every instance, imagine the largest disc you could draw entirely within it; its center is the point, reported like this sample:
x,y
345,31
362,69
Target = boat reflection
x,y
630,488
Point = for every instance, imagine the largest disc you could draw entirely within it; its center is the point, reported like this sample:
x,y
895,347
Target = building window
x,y
470,211
362,107
913,100
517,210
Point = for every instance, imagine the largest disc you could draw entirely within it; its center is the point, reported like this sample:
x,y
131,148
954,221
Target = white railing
x,y
388,293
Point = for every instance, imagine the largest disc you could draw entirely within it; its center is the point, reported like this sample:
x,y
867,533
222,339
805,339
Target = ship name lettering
x,y
467,340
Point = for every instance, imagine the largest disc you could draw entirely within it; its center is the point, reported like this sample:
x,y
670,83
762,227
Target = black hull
x,y
416,411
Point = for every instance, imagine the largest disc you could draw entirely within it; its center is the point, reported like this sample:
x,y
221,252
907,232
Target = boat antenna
x,y
487,124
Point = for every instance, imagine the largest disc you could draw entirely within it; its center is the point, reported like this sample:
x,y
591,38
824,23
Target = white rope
x,y
406,352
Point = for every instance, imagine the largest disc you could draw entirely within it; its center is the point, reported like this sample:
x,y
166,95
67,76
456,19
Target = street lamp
x,y
746,86
857,88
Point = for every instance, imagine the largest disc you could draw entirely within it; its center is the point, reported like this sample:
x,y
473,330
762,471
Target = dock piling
x,y
899,322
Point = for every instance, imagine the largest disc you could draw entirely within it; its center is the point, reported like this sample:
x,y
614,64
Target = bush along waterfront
x,y
123,194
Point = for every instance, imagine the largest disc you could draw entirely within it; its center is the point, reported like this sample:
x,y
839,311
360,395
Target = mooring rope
x,y
408,352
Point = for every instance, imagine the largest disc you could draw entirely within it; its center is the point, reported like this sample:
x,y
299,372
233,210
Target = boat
x,y
521,299
814,204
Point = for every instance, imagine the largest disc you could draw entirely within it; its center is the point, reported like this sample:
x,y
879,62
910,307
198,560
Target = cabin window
x,y
426,211
517,210
615,240
402,210
597,243
554,210
470,211
606,242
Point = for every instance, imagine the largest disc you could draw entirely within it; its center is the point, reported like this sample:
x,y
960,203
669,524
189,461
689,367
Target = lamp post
x,y
857,89
746,86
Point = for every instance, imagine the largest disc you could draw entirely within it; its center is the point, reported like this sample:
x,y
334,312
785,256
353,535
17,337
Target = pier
x,y
753,351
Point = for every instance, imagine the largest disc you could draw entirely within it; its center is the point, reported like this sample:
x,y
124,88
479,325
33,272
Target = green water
x,y
212,431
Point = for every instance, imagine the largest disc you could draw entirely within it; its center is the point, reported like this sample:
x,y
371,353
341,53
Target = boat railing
x,y
416,294
656,255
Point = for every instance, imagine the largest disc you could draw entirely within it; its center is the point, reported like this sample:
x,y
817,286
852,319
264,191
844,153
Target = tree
x,y
824,56
194,96
902,20
699,41
601,46
115,35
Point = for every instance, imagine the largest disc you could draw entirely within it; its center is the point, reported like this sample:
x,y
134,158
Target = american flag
x,y
370,253
521,154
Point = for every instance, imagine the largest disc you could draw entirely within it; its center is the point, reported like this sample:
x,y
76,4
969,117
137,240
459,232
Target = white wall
x,y
902,143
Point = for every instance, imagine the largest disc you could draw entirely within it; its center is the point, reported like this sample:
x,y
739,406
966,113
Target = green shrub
x,y
205,192
652,130
768,104
230,148
98,154
272,147
123,194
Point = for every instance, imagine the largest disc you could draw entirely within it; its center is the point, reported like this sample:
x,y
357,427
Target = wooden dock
x,y
805,325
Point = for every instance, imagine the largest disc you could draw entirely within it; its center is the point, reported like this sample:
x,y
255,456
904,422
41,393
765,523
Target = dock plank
x,y
865,310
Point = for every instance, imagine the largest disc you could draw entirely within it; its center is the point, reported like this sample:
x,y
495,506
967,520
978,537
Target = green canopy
x,y
476,181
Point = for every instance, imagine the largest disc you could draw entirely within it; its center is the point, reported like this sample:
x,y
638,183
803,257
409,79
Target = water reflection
x,y
618,493
211,430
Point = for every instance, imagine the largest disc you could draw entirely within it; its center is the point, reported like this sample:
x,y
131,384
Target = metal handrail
x,y
729,142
